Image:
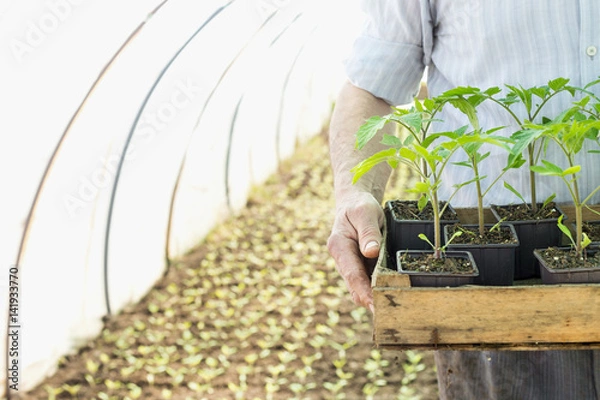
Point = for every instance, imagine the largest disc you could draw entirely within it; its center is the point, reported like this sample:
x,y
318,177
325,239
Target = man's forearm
x,y
354,106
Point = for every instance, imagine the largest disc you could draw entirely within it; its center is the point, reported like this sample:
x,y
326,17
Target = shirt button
x,y
591,51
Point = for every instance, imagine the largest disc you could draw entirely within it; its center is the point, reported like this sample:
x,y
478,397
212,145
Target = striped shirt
x,y
481,43
486,43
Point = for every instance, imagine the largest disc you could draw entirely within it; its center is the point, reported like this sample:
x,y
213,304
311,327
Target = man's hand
x,y
356,234
354,243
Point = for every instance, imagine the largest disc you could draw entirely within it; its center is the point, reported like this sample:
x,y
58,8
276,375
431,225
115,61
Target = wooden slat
x,y
390,279
525,317
383,276
496,316
493,346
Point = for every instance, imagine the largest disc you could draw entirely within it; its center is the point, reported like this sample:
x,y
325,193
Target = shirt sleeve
x,y
389,55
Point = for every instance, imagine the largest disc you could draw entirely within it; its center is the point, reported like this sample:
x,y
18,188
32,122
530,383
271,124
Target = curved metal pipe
x,y
200,115
128,142
46,172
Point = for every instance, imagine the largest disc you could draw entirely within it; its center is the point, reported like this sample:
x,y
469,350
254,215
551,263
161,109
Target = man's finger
x,y
350,265
367,229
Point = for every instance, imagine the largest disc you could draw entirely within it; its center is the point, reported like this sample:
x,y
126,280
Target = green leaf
x,y
391,141
540,92
388,155
408,154
548,169
524,138
460,91
476,141
492,91
510,98
526,98
369,129
548,200
514,191
480,157
564,229
583,102
496,129
413,120
476,99
422,203
558,83
585,240
468,109
421,187
419,106
424,238
454,236
523,95
515,161
571,170
465,183
429,104
463,164
592,83
449,146
430,157
514,91
433,137
461,131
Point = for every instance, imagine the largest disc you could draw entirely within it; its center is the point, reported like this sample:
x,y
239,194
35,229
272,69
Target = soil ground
x,y
256,311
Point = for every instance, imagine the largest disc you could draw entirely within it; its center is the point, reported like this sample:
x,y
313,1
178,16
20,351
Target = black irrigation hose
x,y
283,90
279,116
228,156
53,156
200,115
128,142
284,30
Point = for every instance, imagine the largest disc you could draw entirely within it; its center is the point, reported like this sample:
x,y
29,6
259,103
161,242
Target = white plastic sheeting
x,y
128,130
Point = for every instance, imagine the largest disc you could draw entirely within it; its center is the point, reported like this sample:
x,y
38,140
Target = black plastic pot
x,y
496,262
438,279
533,234
404,234
552,276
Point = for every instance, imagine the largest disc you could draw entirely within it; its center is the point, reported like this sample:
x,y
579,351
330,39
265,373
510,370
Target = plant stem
x,y
530,150
531,118
479,198
437,235
578,214
588,198
512,114
480,211
578,229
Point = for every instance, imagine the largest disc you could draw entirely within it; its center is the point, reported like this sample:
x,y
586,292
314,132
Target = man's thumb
x,y
370,242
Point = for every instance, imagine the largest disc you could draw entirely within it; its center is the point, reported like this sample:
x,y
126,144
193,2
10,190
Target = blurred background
x,y
130,131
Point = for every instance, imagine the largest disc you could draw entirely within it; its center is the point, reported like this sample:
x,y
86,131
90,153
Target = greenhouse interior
x,y
166,204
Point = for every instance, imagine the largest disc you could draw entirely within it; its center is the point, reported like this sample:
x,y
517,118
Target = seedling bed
x,y
525,316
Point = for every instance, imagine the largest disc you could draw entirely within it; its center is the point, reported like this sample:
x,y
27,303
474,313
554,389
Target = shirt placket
x,y
589,40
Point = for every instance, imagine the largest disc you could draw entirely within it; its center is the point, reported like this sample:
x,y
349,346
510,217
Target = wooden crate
x,y
527,316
